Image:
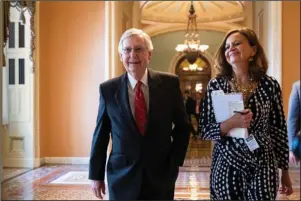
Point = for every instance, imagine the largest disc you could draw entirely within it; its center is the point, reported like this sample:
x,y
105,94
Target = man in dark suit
x,y
144,112
190,105
198,107
293,119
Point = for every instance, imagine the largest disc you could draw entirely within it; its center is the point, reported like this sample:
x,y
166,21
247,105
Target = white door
x,y
18,95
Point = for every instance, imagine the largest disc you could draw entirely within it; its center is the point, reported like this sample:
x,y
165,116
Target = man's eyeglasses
x,y
137,50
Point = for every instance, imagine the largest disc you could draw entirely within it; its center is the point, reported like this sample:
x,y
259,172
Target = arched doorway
x,y
194,78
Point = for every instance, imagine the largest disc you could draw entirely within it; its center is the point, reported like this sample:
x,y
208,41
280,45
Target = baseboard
x,y
23,162
67,160
39,162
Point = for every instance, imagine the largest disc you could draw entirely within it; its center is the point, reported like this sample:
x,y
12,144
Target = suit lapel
x,y
153,82
122,99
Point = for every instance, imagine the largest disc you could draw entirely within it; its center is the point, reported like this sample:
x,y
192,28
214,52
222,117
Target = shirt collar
x,y
133,82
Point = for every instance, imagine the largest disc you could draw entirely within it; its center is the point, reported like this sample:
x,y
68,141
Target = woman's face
x,y
238,49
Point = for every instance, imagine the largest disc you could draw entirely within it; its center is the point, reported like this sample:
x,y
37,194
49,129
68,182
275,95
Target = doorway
x,y
194,79
18,94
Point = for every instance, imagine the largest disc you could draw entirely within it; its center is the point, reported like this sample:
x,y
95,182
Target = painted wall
x,y
71,68
290,41
290,47
165,44
122,22
260,8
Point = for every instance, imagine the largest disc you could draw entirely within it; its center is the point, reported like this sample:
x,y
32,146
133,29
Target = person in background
x,y
190,104
246,169
198,106
293,119
144,113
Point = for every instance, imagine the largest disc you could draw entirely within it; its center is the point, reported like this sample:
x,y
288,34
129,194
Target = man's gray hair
x,y
132,32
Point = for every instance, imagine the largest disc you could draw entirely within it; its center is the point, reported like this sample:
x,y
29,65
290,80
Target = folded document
x,y
224,106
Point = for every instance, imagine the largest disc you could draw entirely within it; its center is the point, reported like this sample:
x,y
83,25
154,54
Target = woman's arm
x,y
278,128
209,128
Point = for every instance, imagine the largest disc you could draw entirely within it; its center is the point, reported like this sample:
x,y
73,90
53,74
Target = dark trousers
x,y
150,191
194,132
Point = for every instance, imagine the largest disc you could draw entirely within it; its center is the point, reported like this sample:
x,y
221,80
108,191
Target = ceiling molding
x,y
154,30
230,20
142,3
177,11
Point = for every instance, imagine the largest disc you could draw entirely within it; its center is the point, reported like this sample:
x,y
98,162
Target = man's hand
x,y
98,188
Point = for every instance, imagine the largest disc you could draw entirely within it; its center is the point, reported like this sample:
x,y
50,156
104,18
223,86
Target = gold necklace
x,y
246,91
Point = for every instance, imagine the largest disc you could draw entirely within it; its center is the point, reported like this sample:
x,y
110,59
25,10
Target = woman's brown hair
x,y
257,67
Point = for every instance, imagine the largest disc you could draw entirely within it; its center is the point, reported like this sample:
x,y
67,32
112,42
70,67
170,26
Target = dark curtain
x,y
5,16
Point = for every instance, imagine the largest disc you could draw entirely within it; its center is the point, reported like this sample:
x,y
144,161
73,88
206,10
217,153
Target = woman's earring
x,y
251,58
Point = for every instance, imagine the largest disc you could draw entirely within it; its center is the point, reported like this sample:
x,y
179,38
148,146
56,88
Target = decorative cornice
x,y
200,24
150,18
154,30
176,12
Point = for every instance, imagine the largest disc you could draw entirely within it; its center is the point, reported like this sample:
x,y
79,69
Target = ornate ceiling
x,y
162,16
177,11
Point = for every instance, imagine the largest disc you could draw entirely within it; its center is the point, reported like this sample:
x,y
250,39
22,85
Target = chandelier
x,y
191,47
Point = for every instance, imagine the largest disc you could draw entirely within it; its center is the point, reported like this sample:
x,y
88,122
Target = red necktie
x,y
140,108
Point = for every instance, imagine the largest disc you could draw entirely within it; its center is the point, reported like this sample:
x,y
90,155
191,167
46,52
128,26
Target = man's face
x,y
135,55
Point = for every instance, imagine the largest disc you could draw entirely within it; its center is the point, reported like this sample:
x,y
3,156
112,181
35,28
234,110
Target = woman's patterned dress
x,y
236,172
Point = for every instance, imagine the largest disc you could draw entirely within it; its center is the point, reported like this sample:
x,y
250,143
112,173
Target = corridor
x,y
69,182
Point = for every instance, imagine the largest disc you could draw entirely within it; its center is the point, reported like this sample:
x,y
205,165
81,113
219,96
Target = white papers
x,y
224,106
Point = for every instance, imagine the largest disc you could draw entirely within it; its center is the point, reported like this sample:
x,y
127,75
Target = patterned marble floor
x,y
198,153
9,173
70,182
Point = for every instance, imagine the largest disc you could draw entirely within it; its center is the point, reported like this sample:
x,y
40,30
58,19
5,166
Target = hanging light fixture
x,y
191,47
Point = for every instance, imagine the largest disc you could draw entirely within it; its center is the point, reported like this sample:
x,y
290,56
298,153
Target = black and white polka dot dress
x,y
236,172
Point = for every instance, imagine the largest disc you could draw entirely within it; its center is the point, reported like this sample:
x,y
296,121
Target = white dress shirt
x,y
132,90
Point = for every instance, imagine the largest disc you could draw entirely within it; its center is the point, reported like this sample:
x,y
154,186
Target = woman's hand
x,y
286,184
242,120
237,121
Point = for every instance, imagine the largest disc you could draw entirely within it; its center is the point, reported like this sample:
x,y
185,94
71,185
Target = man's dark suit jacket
x,y
190,105
132,154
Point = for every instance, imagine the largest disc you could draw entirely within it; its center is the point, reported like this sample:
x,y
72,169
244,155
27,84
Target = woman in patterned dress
x,y
236,172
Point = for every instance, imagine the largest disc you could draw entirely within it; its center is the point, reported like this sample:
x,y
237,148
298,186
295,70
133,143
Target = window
x,y
11,73
21,71
11,38
21,35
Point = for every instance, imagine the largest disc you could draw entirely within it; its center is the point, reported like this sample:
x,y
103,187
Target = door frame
x,y
26,157
1,51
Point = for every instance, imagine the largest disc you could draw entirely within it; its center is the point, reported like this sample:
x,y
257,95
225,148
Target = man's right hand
x,y
99,188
